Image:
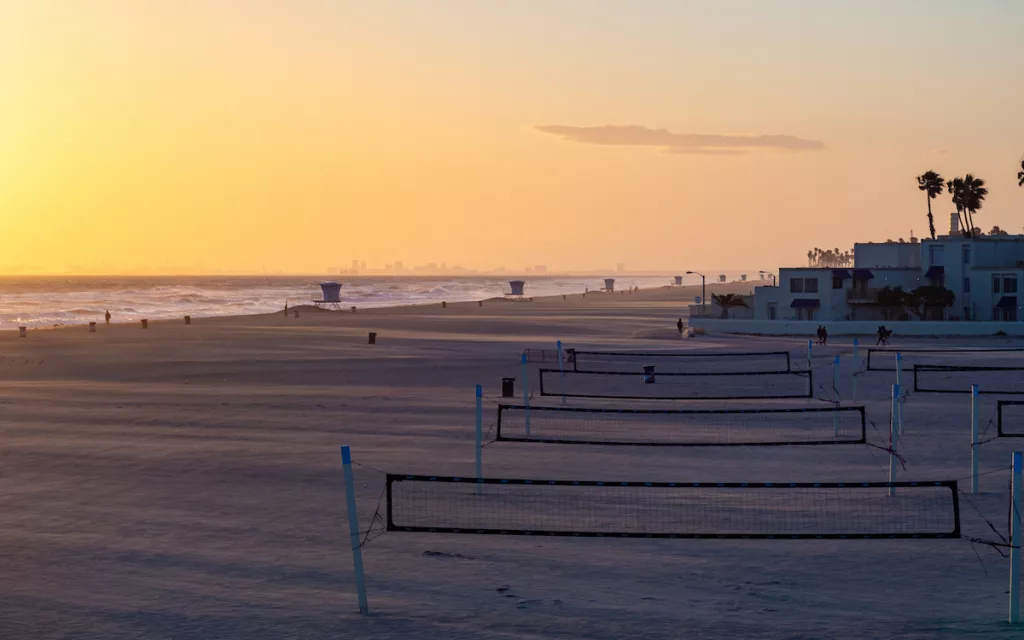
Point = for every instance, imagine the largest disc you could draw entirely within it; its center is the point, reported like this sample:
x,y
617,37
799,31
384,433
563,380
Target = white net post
x,y
974,438
526,393
561,367
835,396
353,529
894,436
479,436
1015,537
855,369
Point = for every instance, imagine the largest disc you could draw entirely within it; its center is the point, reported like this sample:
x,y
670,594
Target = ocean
x,y
56,301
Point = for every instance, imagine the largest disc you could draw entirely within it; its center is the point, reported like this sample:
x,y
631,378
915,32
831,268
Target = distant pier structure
x,y
329,297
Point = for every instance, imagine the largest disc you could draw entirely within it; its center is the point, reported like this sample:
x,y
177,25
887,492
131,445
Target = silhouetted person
x,y
824,335
679,325
286,309
107,316
883,335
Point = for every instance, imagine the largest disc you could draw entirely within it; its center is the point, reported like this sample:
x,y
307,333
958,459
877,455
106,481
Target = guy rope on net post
x,y
894,436
353,529
835,396
526,393
561,367
1015,537
974,438
479,436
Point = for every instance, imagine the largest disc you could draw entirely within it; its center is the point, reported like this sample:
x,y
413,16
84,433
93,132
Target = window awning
x,y
862,274
935,271
1007,302
805,303
842,274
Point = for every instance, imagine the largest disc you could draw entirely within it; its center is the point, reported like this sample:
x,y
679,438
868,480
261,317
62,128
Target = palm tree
x,y
956,190
1020,174
974,196
727,301
931,183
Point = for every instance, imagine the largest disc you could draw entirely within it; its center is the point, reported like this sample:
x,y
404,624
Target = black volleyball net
x,y
672,510
1010,418
637,385
956,379
885,359
681,427
681,361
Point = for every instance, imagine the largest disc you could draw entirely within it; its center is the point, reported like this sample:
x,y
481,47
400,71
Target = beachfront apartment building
x,y
984,274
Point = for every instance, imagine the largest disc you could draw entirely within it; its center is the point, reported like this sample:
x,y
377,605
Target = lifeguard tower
x,y
515,290
679,280
609,285
330,296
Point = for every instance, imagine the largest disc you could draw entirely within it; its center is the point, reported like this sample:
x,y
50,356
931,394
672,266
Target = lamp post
x,y
703,293
768,273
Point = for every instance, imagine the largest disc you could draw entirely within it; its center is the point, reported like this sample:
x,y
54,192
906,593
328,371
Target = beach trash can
x,y
373,337
188,319
444,305
353,309
145,323
21,331
92,327
508,387
648,374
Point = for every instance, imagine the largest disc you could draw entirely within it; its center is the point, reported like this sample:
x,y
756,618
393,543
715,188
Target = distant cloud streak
x,y
683,143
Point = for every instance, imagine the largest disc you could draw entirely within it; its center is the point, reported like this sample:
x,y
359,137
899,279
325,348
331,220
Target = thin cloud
x,y
940,152
684,143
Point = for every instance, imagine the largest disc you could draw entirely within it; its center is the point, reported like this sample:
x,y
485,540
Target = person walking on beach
x,y
824,335
679,326
107,316
286,308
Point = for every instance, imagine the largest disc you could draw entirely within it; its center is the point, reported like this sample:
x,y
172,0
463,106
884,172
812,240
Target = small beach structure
x,y
609,285
515,289
679,280
330,296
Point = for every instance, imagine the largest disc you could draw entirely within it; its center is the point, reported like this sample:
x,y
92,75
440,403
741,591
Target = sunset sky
x,y
142,136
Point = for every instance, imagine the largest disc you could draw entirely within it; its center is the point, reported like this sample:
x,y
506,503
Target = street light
x,y
703,292
769,273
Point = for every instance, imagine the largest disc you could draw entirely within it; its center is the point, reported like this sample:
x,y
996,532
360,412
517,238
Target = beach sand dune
x,y
185,482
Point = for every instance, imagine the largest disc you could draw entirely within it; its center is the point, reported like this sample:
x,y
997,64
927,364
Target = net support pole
x,y
1015,537
896,409
856,368
899,360
479,435
561,367
835,396
526,393
974,438
894,436
353,529
810,346
856,348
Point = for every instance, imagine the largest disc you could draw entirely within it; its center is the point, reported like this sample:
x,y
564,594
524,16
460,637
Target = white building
x,y
983,273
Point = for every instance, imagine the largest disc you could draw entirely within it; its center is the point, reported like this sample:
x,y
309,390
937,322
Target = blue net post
x,y
856,348
1015,538
899,366
526,393
898,408
561,367
856,370
974,438
894,436
353,529
479,436
835,396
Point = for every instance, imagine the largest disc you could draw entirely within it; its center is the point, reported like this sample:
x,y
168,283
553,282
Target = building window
x,y
935,254
967,285
1010,285
810,285
771,310
805,314
967,254
995,284
837,283
796,285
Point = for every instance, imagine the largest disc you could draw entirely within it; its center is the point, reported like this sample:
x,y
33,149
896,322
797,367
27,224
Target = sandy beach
x,y
185,482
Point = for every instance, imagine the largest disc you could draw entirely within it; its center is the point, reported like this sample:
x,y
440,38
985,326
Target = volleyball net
x,y
885,359
681,362
957,379
672,509
1010,418
681,427
630,385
